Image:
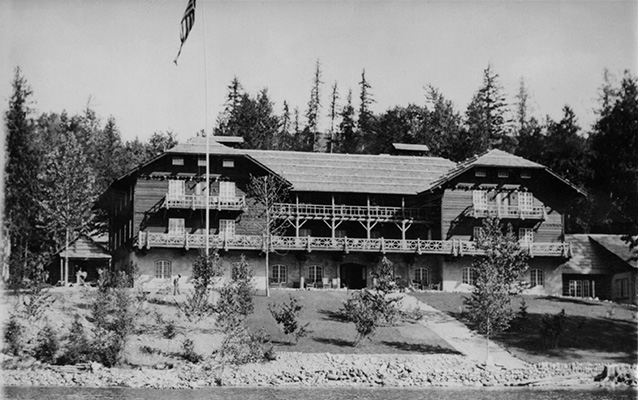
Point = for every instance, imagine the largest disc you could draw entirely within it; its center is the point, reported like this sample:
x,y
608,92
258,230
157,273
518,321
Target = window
x,y
526,236
176,189
163,269
178,161
176,226
201,162
479,198
469,275
305,232
583,288
315,274
227,228
422,275
503,174
526,201
228,163
526,174
278,274
226,190
537,277
199,188
480,173
622,287
375,235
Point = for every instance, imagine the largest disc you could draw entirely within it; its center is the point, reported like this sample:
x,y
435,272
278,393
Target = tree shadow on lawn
x,y
601,338
336,316
334,342
420,348
572,300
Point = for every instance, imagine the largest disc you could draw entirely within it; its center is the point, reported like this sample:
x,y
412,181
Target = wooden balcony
x,y
198,202
509,212
351,213
253,242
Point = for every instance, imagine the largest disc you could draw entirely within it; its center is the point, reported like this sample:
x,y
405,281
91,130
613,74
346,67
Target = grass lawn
x,y
329,333
594,331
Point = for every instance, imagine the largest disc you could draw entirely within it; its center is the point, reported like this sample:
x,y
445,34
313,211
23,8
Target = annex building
x,y
343,213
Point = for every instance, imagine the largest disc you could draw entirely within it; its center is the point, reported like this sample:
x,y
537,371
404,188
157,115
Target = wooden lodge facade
x,y
343,214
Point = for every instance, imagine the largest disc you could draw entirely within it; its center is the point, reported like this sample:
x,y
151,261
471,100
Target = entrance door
x,y
353,276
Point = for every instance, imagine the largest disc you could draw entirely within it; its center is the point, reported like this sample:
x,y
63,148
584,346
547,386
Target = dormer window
x,y
178,160
228,163
503,174
480,173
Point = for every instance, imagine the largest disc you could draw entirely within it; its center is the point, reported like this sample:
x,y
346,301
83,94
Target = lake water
x,y
23,393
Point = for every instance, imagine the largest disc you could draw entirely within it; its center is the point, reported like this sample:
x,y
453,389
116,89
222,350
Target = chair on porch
x,y
418,285
325,283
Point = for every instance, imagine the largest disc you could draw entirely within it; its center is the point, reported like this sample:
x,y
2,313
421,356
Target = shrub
x,y
240,346
235,297
169,330
78,347
47,345
206,269
113,312
13,332
288,315
368,310
189,354
552,327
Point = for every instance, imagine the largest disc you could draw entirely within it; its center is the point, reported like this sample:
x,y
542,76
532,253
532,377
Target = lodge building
x,y
343,213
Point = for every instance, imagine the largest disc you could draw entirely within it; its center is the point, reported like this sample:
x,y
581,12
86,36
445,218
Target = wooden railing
x,y
348,212
198,201
535,212
309,243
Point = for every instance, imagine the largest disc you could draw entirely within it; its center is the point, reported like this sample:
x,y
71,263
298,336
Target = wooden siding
x,y
457,223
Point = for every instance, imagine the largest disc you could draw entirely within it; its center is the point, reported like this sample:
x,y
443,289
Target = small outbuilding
x,y
85,256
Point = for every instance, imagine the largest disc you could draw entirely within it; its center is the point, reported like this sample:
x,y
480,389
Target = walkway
x,y
471,344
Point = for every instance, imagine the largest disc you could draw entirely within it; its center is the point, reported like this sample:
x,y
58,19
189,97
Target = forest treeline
x,y
58,164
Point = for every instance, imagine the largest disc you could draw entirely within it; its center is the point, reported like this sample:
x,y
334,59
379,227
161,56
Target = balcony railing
x,y
512,212
198,201
347,212
309,243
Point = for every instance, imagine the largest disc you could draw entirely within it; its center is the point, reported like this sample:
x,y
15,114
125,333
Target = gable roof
x,y
497,158
84,247
353,173
615,245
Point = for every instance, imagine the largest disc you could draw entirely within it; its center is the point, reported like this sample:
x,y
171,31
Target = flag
x,y
188,20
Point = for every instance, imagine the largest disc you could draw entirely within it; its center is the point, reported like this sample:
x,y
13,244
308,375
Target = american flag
x,y
188,20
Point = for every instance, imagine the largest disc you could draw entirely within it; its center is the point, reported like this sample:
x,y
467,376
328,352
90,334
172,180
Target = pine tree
x,y
334,96
348,138
366,118
486,117
442,129
21,211
314,105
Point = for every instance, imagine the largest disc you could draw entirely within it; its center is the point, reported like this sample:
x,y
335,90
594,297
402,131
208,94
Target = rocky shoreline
x,y
300,369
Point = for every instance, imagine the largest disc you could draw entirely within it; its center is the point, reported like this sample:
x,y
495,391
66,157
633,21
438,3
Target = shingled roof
x,y
497,158
353,173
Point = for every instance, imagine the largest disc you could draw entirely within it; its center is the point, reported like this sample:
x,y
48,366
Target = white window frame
x,y
526,236
468,275
340,233
479,199
201,162
178,161
476,232
422,275
176,226
278,273
163,269
200,188
226,190
525,201
176,189
315,274
503,174
536,277
227,228
228,163
480,173
304,232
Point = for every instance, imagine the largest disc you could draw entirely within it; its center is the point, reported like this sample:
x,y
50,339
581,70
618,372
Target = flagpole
x,y
206,133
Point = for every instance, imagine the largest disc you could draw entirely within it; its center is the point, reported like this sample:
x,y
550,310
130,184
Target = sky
x,y
117,55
